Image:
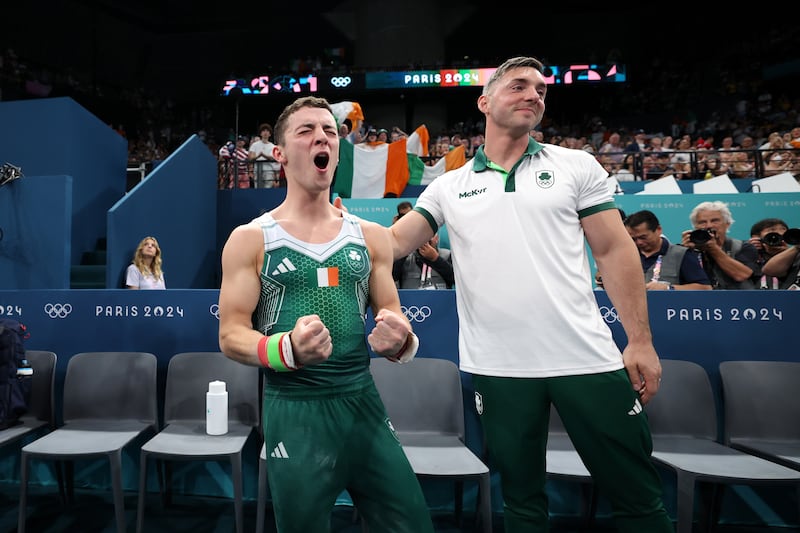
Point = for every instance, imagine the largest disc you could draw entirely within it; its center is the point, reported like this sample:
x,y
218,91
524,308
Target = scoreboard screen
x,y
576,74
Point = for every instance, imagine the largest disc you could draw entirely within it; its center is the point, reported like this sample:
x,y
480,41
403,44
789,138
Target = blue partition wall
x,y
35,227
57,136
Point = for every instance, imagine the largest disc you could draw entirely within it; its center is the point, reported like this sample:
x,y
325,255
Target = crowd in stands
x,y
747,127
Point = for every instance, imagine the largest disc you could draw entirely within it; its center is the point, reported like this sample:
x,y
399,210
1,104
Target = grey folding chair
x,y
564,463
41,414
683,422
109,400
761,416
184,436
424,400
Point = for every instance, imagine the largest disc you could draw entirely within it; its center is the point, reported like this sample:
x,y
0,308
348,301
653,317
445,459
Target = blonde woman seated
x,y
145,270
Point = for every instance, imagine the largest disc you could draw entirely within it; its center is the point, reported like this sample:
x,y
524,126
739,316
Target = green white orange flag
x,y
379,170
455,158
348,110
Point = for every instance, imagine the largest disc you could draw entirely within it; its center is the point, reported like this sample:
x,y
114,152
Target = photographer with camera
x,y
785,265
767,236
666,266
729,263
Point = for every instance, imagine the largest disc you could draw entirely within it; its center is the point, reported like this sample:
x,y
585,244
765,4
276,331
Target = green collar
x,y
480,162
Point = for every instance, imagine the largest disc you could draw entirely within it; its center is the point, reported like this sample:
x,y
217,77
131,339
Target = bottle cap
x,y
216,386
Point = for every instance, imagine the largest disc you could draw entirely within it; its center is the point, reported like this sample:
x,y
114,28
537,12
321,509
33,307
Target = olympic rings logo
x,y
341,81
214,310
609,314
58,310
416,314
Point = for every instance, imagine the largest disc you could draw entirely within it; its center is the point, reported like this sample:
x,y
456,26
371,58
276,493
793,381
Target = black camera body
x,y
701,236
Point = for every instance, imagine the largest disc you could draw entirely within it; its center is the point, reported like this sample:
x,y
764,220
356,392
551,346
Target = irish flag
x,y
379,170
455,158
327,277
348,110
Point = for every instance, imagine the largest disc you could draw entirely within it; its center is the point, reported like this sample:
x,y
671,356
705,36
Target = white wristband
x,y
286,348
411,349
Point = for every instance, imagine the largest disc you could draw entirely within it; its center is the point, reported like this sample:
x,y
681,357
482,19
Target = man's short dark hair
x,y
643,217
765,223
403,205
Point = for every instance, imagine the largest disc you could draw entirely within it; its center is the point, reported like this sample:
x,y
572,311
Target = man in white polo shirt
x,y
530,331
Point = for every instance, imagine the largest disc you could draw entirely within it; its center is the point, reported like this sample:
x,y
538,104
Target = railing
x,y
702,164
243,174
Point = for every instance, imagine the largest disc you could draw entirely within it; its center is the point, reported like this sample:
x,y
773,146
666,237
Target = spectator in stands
x,y
402,208
613,147
655,144
310,340
234,164
428,267
265,168
777,162
666,266
639,143
647,161
741,165
532,281
145,272
727,144
371,139
712,165
627,171
661,166
397,134
774,142
747,143
611,166
786,266
476,141
383,135
795,137
766,236
729,263
683,152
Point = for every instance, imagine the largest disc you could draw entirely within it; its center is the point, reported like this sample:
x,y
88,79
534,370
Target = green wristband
x,y
277,360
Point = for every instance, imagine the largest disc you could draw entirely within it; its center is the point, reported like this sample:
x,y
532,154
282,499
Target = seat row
x,y
110,401
761,433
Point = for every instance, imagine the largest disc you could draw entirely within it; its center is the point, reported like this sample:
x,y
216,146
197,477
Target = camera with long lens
x,y
791,236
701,236
772,239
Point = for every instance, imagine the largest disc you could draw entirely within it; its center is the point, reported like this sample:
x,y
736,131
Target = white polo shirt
x,y
526,307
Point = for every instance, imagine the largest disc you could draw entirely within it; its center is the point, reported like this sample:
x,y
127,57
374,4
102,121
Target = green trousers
x,y
322,441
604,419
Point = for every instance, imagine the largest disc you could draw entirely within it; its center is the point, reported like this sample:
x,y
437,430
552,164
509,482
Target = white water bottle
x,y
216,408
